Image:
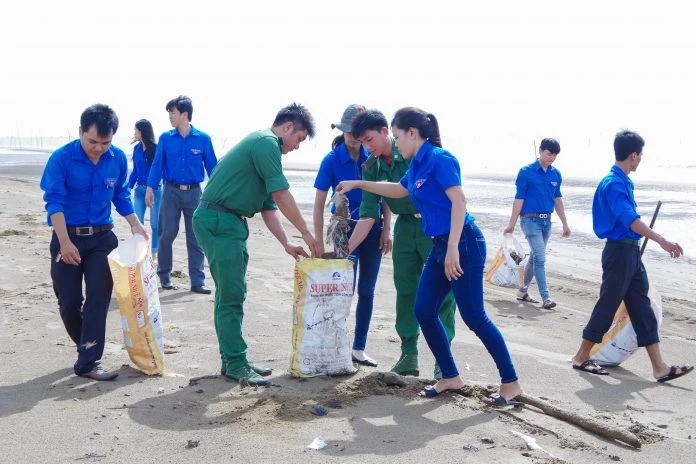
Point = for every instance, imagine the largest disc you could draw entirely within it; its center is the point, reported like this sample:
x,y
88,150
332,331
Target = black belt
x,y
627,241
416,215
537,215
89,230
216,207
184,186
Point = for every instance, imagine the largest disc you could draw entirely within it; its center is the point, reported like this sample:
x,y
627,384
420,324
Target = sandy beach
x,y
192,415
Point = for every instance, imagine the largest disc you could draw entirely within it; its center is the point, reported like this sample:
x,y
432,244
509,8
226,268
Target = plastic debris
x,y
317,444
319,410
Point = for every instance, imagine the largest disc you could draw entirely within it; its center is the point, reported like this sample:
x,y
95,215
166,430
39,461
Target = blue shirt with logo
x,y
141,170
538,188
614,208
181,160
84,191
338,166
432,171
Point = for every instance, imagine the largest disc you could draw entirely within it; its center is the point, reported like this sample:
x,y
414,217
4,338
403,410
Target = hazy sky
x,y
498,75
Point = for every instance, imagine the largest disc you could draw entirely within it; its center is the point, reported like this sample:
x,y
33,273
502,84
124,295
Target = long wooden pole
x,y
652,223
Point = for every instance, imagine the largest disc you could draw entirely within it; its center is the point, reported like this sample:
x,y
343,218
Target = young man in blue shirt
x,y
538,194
615,219
80,181
184,154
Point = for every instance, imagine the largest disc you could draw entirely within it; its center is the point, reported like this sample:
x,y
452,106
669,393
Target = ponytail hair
x,y
425,123
148,135
337,141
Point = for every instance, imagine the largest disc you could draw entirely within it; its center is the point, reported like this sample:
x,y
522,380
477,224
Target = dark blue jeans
x,y
623,278
174,203
85,323
366,261
468,293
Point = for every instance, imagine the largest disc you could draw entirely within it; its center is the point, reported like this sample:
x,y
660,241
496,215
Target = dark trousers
x,y
623,279
85,323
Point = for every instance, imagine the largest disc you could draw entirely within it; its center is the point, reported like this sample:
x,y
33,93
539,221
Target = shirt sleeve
x,y
133,175
266,158
557,193
620,204
325,174
53,185
155,176
209,158
269,204
122,196
446,171
521,184
370,203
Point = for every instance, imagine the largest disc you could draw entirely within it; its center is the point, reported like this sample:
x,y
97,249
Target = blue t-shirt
x,y
432,171
181,159
614,208
141,170
84,191
338,166
538,188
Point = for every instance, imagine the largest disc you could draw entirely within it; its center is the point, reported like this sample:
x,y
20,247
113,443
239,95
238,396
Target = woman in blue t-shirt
x,y
459,250
143,155
344,162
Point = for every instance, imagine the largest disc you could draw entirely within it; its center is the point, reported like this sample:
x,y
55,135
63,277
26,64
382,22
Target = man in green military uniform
x,y
411,245
247,180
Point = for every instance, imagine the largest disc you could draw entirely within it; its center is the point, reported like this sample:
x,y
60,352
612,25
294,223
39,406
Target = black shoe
x,y
170,286
202,289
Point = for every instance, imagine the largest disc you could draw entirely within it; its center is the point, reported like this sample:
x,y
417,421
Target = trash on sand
x,y
319,410
470,448
317,444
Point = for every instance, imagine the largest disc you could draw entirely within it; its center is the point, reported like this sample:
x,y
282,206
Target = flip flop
x,y
673,374
365,362
496,400
527,299
430,392
591,367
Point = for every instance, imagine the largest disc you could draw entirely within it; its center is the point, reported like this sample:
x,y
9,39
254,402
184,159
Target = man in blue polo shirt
x,y
184,154
80,181
538,194
615,218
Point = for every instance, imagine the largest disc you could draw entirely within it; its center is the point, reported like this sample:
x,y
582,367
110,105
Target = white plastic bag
x,y
322,300
135,285
507,269
621,340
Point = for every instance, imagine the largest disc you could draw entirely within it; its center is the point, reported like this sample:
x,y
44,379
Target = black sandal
x,y
526,298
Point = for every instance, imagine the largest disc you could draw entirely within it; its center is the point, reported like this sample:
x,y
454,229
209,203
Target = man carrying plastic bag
x,y
135,283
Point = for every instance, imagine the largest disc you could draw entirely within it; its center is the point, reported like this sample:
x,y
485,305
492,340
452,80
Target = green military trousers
x,y
411,250
223,237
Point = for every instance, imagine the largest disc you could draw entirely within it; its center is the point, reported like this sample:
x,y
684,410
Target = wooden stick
x,y
652,223
585,422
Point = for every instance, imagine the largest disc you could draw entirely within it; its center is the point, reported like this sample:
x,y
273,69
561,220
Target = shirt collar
x,y
78,153
344,154
396,155
622,175
424,150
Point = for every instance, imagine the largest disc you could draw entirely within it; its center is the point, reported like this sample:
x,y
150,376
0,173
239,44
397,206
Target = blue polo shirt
x,y
84,191
432,171
538,188
141,170
338,166
181,159
614,208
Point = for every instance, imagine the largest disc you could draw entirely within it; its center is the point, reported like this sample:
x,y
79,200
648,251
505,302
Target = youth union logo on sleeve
x,y
554,183
110,182
195,151
420,182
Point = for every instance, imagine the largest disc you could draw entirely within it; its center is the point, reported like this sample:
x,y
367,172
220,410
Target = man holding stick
x,y
624,278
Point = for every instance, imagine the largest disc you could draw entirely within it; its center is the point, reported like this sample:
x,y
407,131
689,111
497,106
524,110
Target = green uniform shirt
x,y
380,171
248,174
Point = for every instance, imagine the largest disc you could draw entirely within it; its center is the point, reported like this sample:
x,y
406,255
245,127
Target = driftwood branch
x,y
585,422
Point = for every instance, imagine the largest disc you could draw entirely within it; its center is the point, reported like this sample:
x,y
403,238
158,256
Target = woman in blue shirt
x,y
459,250
143,155
344,162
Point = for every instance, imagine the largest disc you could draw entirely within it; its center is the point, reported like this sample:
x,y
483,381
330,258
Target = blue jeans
x,y
140,207
366,261
468,293
175,202
537,231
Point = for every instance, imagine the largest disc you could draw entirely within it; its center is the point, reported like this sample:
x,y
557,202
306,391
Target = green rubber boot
x,y
246,375
437,373
407,365
261,370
